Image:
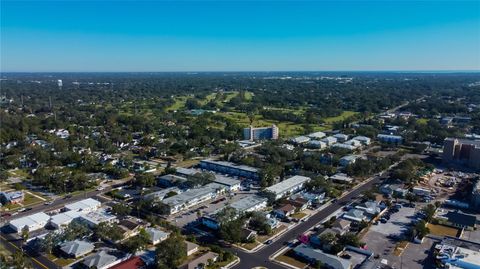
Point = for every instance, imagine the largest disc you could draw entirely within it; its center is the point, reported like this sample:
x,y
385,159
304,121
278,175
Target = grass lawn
x,y
63,262
30,199
298,215
287,129
248,95
441,230
179,103
59,261
289,258
221,264
250,246
341,117
263,238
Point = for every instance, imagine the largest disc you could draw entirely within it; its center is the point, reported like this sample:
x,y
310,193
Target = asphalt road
x,y
261,257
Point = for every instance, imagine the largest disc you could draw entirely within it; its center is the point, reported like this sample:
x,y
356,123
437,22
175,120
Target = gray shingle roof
x,y
77,247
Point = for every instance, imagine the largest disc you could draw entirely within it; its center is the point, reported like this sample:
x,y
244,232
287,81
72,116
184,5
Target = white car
x,y
100,188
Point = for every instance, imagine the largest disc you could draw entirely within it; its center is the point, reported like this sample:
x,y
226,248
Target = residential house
x,y
248,234
355,215
315,144
390,139
13,197
330,140
100,260
370,208
344,146
300,203
134,262
285,211
201,262
156,236
341,137
192,248
76,248
300,140
348,160
316,241
363,139
317,135
130,227
341,178
342,225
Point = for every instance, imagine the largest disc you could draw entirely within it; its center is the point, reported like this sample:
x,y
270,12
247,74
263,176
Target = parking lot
x,y
397,224
183,218
383,237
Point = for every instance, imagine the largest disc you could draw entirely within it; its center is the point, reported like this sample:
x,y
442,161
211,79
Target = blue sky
x,y
239,36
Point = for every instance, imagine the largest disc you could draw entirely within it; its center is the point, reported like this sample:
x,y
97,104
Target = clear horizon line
x,y
268,71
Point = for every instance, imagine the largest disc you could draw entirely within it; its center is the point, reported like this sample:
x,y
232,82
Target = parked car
x,y
268,242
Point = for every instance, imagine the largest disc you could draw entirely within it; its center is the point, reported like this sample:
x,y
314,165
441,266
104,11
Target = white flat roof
x,y
287,184
82,204
228,181
30,220
65,217
191,194
247,202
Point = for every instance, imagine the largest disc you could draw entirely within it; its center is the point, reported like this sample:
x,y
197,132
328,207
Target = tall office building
x,y
462,151
260,133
